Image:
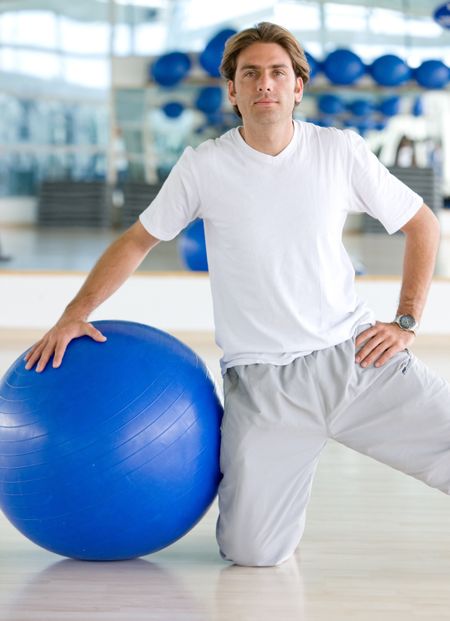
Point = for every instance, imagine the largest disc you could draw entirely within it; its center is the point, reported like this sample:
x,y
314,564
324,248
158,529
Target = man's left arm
x,y
383,340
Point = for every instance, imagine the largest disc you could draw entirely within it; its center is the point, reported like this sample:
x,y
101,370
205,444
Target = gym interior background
x,y
94,111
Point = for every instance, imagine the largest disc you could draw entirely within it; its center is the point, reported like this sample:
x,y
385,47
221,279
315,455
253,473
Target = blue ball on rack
x,y
390,106
211,57
343,67
209,99
331,104
170,69
173,109
390,70
432,74
361,107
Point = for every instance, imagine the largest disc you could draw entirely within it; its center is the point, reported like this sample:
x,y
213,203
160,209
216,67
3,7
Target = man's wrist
x,y
407,322
75,312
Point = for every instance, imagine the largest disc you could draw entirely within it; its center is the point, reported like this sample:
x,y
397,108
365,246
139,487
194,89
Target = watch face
x,y
407,322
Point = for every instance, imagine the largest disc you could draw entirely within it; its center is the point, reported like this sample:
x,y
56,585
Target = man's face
x,y
265,87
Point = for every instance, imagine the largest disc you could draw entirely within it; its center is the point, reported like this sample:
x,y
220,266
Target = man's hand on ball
x,y
381,342
55,341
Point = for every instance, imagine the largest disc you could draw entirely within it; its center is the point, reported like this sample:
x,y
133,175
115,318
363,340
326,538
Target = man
x,y
304,359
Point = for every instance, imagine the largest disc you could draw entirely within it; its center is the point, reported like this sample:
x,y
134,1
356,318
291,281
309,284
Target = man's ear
x,y
298,90
231,92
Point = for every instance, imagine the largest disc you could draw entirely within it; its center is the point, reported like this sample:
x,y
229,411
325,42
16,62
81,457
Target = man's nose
x,y
264,83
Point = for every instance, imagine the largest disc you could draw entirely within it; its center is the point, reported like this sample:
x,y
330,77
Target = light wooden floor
x,y
376,547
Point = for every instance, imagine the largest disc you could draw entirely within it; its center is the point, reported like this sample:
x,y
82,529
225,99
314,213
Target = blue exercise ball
x,y
361,107
211,57
442,15
215,118
380,125
192,247
170,69
363,125
390,70
390,106
209,99
417,107
331,104
173,109
323,121
115,454
432,74
343,67
314,65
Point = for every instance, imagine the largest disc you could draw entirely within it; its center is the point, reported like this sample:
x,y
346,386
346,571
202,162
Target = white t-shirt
x,y
282,282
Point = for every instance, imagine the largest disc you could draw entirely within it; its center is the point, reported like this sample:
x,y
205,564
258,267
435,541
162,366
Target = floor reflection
x,y
128,589
257,593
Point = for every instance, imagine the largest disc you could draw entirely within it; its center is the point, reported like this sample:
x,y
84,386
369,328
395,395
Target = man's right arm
x,y
116,264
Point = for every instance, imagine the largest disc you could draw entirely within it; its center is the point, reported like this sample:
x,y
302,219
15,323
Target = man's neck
x,y
269,139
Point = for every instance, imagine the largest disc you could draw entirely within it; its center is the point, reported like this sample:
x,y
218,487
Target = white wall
x,y
18,210
177,302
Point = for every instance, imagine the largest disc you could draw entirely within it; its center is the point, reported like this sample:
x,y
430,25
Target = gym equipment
x,y
417,107
432,74
390,106
331,104
211,57
170,69
192,247
115,454
314,65
173,109
442,15
390,70
361,107
209,99
343,67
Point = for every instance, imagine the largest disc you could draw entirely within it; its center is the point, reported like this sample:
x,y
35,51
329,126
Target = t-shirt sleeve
x,y
374,190
176,204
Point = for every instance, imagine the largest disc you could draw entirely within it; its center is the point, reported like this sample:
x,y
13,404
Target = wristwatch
x,y
407,322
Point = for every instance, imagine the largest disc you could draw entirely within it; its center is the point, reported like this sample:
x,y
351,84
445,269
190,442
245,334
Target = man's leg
x,y
272,435
399,414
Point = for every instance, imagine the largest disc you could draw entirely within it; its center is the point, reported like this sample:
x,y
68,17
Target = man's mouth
x,y
265,101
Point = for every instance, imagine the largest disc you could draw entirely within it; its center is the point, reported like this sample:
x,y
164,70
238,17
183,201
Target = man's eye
x,y
249,74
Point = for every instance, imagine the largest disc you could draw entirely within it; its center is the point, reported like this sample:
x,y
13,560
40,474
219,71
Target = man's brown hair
x,y
264,32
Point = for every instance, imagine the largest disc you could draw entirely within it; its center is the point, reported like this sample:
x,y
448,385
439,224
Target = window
x,y
345,17
298,15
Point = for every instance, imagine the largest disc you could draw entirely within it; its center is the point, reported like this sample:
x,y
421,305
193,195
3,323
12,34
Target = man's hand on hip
x,y
381,342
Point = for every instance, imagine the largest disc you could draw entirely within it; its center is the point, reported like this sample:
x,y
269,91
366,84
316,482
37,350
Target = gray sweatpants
x,y
278,418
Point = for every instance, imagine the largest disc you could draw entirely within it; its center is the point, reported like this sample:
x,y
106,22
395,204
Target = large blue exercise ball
x,y
343,67
390,70
170,69
192,247
115,454
432,74
211,57
209,99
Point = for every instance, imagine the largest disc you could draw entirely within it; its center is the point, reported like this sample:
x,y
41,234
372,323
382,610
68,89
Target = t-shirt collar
x,y
254,153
